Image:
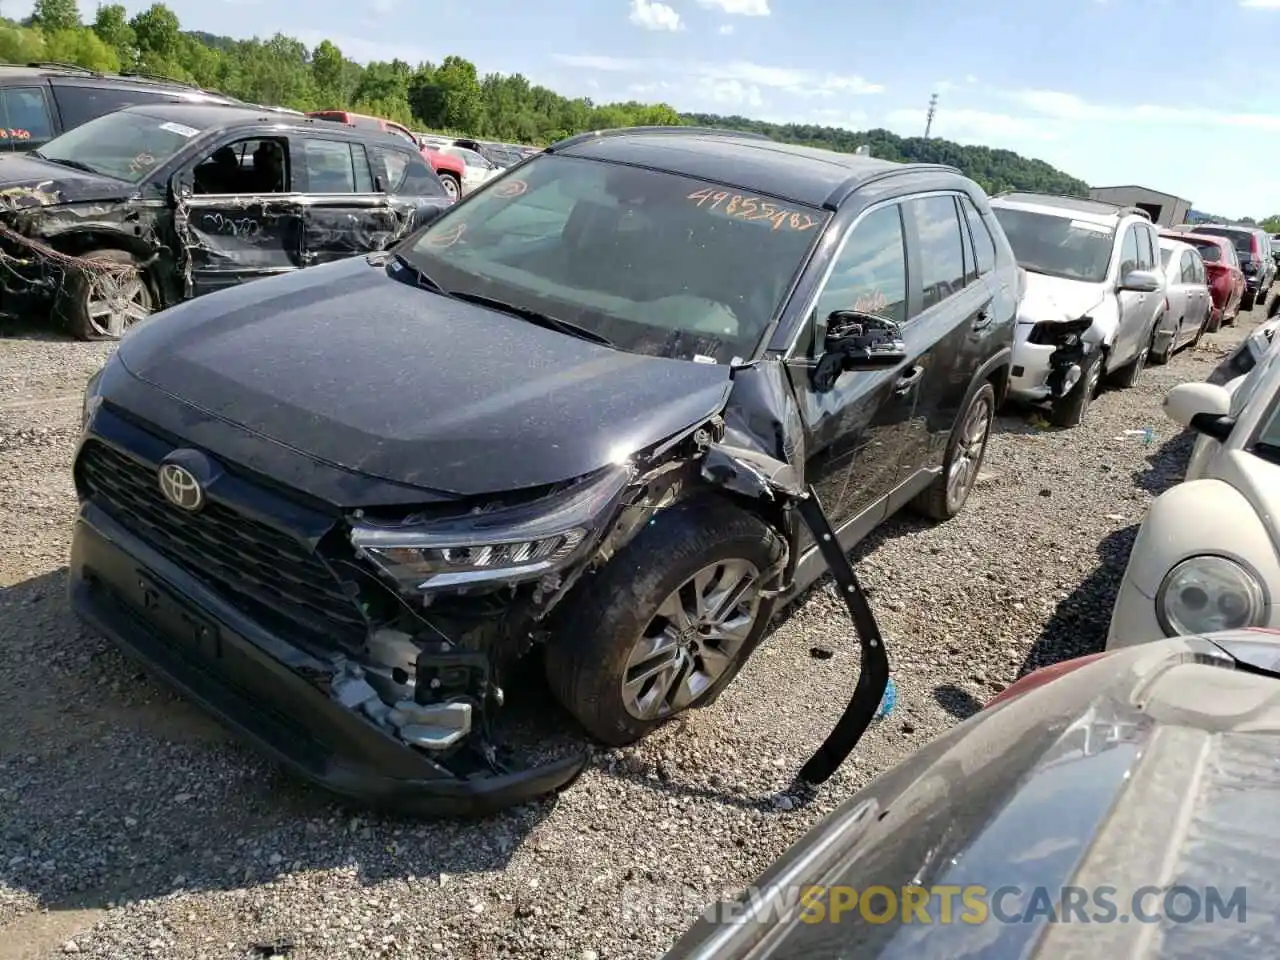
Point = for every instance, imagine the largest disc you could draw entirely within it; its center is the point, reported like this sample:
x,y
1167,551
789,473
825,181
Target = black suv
x,y
577,411
39,101
151,205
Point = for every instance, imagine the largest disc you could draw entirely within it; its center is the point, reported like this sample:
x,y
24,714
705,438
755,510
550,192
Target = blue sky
x,y
1171,94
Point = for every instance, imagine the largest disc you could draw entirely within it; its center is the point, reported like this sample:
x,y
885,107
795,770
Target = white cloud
x,y
1068,107
730,92
1261,4
739,8
725,29
942,86
653,16
801,83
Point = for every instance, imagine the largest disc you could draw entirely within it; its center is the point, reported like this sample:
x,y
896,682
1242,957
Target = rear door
x,y
343,214
1197,279
1178,294
1135,308
414,189
945,332
243,217
26,118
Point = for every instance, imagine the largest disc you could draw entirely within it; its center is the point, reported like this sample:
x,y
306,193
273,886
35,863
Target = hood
x,y
1052,299
27,181
355,369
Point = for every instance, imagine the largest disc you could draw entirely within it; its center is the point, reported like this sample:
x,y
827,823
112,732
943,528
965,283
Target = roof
x,y
204,116
750,162
55,69
1093,211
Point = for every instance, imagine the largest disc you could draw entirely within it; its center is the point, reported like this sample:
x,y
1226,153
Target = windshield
x,y
1058,246
124,145
1241,239
654,262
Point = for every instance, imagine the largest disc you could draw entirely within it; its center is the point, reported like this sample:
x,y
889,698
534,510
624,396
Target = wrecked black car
x,y
152,205
618,405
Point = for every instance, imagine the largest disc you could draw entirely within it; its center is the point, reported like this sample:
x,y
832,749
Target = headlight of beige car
x,y
1207,593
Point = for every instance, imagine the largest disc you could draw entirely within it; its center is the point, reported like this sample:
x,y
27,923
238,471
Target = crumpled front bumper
x,y
1043,369
255,682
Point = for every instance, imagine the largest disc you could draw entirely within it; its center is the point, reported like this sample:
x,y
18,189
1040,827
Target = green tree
x,y
111,24
54,15
158,32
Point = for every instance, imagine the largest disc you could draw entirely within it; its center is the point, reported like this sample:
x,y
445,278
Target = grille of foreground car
x,y
270,576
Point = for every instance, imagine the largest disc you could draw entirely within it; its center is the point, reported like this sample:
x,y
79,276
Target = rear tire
x,y
631,619
1072,409
966,449
452,185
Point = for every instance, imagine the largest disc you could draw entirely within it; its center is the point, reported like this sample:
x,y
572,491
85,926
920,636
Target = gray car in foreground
x,y
1117,805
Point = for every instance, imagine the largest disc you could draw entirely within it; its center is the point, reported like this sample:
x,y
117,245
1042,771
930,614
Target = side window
x,y
1129,252
335,166
1146,249
941,250
408,174
1202,275
966,241
80,104
1188,268
870,272
984,247
252,166
25,122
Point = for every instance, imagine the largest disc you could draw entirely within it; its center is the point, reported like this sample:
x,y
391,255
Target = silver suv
x,y
1092,298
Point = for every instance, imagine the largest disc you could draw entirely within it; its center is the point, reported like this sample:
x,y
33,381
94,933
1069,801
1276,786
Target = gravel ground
x,y
132,826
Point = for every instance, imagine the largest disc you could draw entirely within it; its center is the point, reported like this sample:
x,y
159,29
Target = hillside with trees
x,y
450,96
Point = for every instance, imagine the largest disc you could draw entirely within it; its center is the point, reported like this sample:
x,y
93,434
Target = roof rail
x,y
63,65
159,78
671,130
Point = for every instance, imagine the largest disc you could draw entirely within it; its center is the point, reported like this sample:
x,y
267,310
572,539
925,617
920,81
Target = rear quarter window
x,y
408,174
80,104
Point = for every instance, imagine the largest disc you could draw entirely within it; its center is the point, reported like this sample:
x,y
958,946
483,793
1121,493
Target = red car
x,y
1226,279
448,168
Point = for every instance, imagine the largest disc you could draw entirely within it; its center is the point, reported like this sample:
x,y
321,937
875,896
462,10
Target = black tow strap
x,y
873,676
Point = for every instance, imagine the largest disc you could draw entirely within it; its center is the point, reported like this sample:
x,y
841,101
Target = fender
x,y
1002,357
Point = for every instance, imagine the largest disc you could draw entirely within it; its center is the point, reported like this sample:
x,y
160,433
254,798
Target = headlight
x,y
1208,593
510,544
91,398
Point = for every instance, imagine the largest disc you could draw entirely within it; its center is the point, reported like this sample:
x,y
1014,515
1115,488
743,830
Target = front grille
x,y
270,576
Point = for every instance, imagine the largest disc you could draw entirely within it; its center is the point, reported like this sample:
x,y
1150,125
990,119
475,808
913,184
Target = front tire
x,y
1127,376
1246,302
667,623
1072,409
103,305
949,492
452,185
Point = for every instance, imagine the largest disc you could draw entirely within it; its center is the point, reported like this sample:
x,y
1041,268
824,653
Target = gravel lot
x,y
132,826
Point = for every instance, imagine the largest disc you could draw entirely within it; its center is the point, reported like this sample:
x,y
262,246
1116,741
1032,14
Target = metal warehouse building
x,y
1165,209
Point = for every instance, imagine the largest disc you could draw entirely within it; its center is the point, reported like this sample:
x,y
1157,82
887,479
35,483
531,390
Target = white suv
x,y
1093,296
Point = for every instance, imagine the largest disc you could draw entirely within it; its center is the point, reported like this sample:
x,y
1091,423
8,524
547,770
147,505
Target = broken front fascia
x,y
34,224
1070,343
436,691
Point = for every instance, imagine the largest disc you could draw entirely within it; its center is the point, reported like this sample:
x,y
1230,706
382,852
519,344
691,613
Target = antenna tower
x,y
928,122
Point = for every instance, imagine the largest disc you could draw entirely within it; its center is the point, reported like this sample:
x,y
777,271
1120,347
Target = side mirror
x,y
863,341
1140,281
1202,407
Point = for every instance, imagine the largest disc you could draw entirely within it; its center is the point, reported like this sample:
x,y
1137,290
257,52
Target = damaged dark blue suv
x,y
576,411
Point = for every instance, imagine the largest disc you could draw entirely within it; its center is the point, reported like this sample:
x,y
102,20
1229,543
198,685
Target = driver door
x,y
237,219
856,431
1135,308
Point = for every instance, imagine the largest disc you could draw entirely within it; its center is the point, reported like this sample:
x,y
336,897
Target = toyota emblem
x,y
181,488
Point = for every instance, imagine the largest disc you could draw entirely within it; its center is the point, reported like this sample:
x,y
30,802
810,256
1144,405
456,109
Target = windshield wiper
x,y
535,316
419,277
73,164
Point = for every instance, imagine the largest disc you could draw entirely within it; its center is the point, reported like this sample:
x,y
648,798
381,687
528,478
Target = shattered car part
x,y
104,243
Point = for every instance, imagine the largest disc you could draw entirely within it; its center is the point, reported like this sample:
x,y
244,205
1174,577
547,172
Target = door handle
x,y
909,379
983,319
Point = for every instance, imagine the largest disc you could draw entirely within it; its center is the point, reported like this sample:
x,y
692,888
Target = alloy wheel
x,y
970,444
115,302
696,635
